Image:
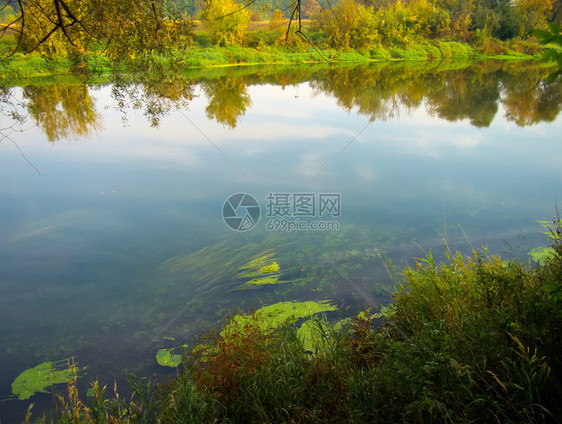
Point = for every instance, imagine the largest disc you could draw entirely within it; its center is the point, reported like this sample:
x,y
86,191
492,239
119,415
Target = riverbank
x,y
19,66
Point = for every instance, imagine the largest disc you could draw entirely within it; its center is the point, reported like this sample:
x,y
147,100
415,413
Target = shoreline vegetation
x,y
472,339
96,66
228,34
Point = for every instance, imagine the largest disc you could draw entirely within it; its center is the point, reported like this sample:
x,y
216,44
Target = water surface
x,y
111,235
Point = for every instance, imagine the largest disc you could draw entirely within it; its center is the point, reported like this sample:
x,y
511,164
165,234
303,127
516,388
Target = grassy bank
x,y
20,66
474,339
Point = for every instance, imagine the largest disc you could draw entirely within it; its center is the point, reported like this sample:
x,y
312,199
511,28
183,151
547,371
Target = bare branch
x,y
296,9
61,22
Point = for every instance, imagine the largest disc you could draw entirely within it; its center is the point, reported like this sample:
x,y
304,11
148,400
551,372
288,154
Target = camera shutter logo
x,y
241,212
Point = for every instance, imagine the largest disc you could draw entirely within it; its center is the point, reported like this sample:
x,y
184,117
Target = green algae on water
x,y
273,316
543,254
268,319
37,379
314,332
167,358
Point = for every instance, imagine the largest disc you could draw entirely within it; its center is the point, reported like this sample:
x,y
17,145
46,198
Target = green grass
x,y
473,339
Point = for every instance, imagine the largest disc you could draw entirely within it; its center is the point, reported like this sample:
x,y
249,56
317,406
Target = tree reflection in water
x,y
379,91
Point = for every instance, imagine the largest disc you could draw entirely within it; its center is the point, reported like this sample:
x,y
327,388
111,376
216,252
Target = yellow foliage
x,y
278,20
227,21
532,14
122,28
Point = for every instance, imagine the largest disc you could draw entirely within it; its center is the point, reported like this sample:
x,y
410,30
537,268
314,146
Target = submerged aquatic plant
x,y
261,270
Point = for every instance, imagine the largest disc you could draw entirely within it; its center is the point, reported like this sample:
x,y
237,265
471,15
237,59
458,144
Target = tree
x,y
469,94
310,8
461,12
532,14
377,4
277,20
349,25
121,28
526,102
7,13
227,21
556,14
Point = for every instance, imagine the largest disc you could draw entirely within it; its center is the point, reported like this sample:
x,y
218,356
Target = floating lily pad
x,y
166,358
268,319
37,379
310,334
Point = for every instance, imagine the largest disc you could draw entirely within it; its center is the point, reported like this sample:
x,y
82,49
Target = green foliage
x,y
123,30
473,339
277,20
261,270
228,99
552,51
496,19
544,254
7,14
101,408
121,34
352,25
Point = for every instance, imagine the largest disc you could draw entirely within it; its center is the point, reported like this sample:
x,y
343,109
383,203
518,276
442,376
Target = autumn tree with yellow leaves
x,y
532,14
226,21
121,28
